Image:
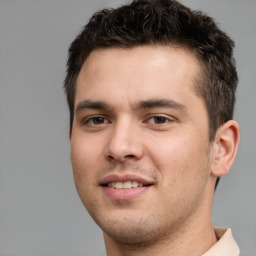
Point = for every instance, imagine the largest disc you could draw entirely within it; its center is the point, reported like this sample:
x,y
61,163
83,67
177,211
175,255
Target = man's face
x,y
140,146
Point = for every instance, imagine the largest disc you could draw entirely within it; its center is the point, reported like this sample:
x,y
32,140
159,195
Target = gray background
x,y
40,212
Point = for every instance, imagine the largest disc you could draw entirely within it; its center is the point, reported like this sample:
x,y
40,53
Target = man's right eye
x,y
95,120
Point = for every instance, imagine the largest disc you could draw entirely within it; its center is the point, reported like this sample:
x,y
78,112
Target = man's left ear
x,y
225,148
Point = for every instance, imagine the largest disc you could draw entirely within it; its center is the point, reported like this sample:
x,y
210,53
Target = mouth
x,y
126,184
125,187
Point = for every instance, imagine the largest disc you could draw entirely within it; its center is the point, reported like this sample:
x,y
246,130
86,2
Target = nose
x,y
124,143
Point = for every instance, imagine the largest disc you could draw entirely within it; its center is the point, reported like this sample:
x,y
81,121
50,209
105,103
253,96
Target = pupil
x,y
159,119
98,120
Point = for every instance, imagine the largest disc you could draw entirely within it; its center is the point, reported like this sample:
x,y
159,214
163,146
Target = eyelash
x,y
154,117
90,120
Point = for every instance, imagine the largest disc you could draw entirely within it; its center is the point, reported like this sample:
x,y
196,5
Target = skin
x,y
136,113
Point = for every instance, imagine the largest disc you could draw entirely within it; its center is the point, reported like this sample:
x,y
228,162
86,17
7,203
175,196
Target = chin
x,y
135,232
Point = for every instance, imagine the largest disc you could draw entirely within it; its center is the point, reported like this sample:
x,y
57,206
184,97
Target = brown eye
x,y
160,119
95,120
98,120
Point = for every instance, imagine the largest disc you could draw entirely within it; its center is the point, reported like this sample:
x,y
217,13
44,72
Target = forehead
x,y
138,73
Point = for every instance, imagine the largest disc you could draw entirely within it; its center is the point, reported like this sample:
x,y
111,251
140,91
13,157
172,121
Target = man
x,y
151,91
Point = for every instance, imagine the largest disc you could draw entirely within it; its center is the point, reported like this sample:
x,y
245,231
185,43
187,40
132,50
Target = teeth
x,y
119,185
127,184
135,184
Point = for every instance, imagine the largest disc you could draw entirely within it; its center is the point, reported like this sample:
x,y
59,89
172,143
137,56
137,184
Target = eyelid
x,y
167,117
87,119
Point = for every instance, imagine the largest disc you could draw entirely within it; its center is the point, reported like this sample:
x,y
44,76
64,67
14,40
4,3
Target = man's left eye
x,y
158,120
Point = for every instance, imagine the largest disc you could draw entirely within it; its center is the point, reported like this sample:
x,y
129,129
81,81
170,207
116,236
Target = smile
x,y
125,185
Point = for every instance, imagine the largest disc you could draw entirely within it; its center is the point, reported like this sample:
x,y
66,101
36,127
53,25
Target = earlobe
x,y
225,148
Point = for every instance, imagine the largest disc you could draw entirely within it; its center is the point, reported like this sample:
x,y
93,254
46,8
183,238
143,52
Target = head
x,y
145,30
163,23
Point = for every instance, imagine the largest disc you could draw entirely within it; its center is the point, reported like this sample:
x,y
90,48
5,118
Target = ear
x,y
225,148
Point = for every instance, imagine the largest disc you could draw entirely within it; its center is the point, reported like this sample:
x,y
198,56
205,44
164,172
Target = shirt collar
x,y
226,244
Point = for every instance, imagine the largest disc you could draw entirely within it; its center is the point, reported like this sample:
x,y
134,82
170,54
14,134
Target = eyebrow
x,y
147,104
89,104
160,103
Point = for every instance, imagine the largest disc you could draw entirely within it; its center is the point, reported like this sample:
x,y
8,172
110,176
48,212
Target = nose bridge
x,y
124,142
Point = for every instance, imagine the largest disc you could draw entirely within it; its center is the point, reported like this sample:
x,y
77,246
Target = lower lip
x,y
125,193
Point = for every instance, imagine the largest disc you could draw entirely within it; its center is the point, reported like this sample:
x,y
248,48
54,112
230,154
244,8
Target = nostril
x,y
110,157
129,156
121,159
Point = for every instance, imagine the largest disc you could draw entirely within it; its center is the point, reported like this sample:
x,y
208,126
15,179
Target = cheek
x,y
84,161
180,159
183,173
83,164
85,149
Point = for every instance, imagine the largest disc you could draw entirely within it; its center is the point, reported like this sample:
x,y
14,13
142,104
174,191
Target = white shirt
x,y
226,245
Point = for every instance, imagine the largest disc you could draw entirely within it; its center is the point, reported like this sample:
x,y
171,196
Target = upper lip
x,y
126,177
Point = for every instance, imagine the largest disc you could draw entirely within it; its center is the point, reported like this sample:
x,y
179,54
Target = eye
x,y
95,120
158,120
